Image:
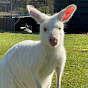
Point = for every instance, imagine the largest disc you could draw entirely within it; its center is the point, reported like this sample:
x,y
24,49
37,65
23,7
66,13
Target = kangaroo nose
x,y
53,41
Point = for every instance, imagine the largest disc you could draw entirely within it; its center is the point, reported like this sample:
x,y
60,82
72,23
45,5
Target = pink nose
x,y
53,41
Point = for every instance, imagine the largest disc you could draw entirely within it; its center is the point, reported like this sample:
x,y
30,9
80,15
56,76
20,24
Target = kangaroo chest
x,y
49,64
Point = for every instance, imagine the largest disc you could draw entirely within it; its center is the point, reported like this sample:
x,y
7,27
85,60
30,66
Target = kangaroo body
x,y
45,63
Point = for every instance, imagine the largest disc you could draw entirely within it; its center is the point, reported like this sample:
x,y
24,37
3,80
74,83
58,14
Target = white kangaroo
x,y
31,64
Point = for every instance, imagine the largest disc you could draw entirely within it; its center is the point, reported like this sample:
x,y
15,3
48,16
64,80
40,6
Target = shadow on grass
x,y
22,32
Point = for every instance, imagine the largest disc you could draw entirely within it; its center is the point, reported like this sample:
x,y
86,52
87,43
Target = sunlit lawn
x,y
76,69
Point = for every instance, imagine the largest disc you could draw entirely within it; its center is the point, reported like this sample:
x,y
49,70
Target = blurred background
x,y
14,16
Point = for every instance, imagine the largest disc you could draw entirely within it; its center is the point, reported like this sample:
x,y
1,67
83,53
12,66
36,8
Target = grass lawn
x,y
76,69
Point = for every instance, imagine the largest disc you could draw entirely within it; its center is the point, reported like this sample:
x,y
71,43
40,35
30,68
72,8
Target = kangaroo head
x,y
51,27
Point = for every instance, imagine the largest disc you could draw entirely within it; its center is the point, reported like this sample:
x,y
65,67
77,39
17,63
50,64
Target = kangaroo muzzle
x,y
53,41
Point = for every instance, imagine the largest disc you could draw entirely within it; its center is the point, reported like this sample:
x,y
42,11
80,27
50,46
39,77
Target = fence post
x,y
13,24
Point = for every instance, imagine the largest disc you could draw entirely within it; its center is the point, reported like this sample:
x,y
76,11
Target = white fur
x,y
31,64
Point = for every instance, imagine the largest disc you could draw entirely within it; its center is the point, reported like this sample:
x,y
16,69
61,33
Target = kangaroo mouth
x,y
53,43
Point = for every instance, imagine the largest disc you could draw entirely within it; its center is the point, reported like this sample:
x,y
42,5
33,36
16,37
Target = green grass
x,y
7,40
76,69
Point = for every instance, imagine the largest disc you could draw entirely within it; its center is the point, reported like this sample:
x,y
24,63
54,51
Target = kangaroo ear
x,y
36,14
67,13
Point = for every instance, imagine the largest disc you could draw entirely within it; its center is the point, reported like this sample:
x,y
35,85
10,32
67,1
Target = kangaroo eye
x,y
59,28
45,29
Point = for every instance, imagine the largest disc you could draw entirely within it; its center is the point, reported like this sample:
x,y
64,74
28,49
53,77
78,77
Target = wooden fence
x,y
7,24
